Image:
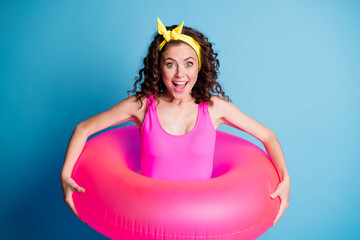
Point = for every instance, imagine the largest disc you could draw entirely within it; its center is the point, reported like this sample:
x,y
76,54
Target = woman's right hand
x,y
68,186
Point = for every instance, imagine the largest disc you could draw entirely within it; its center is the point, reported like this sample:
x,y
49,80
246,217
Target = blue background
x,y
291,65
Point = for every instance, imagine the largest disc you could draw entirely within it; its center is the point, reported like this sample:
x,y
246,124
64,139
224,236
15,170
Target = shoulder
x,y
219,102
223,108
128,109
137,104
218,110
131,105
136,108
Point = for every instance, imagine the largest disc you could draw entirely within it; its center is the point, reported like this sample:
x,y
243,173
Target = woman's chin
x,y
173,93
181,95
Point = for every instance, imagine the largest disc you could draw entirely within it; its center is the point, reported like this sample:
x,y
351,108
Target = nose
x,y
180,71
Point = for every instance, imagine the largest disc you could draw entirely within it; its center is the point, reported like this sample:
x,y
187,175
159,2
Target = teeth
x,y
179,83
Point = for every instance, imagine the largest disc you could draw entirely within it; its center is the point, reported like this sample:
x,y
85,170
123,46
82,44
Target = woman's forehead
x,y
180,51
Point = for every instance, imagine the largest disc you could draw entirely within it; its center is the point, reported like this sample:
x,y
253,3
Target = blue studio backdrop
x,y
291,65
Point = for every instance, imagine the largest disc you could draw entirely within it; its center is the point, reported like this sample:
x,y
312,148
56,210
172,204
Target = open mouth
x,y
179,86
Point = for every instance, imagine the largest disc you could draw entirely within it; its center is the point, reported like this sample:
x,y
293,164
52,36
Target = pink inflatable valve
x,y
123,204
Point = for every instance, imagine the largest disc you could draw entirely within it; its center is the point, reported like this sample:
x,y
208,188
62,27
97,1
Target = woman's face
x,y
179,68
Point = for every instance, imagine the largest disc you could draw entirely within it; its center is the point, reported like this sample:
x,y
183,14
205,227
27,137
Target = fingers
x,y
283,206
69,201
282,192
280,213
76,187
276,193
69,186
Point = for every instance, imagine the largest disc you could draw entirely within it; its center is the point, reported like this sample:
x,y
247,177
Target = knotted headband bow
x,y
176,34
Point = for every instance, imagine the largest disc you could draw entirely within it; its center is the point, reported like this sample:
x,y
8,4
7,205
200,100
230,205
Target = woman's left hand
x,y
282,191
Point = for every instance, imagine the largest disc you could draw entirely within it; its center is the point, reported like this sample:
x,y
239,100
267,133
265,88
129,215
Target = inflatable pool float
x,y
121,203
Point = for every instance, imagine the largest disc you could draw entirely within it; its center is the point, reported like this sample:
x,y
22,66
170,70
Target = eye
x,y
170,64
189,64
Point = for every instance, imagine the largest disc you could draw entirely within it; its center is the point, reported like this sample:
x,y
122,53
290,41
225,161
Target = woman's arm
x,y
124,111
228,113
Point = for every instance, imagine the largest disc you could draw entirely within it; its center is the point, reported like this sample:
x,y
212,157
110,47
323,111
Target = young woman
x,y
177,109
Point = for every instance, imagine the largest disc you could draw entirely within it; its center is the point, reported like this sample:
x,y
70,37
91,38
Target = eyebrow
x,y
175,60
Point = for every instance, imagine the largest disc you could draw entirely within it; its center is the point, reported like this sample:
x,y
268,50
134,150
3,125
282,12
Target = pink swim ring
x,y
122,204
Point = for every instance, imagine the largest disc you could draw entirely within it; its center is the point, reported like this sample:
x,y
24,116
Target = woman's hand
x,y
68,186
282,191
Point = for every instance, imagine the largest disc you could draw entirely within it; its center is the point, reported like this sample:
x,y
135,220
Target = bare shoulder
x,y
130,104
219,100
225,112
217,110
135,108
219,103
125,110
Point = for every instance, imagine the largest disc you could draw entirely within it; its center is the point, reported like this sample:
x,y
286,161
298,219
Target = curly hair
x,y
206,84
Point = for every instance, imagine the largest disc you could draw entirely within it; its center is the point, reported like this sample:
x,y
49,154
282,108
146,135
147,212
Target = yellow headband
x,y
175,34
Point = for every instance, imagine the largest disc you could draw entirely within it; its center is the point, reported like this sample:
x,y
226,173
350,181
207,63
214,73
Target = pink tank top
x,y
177,157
